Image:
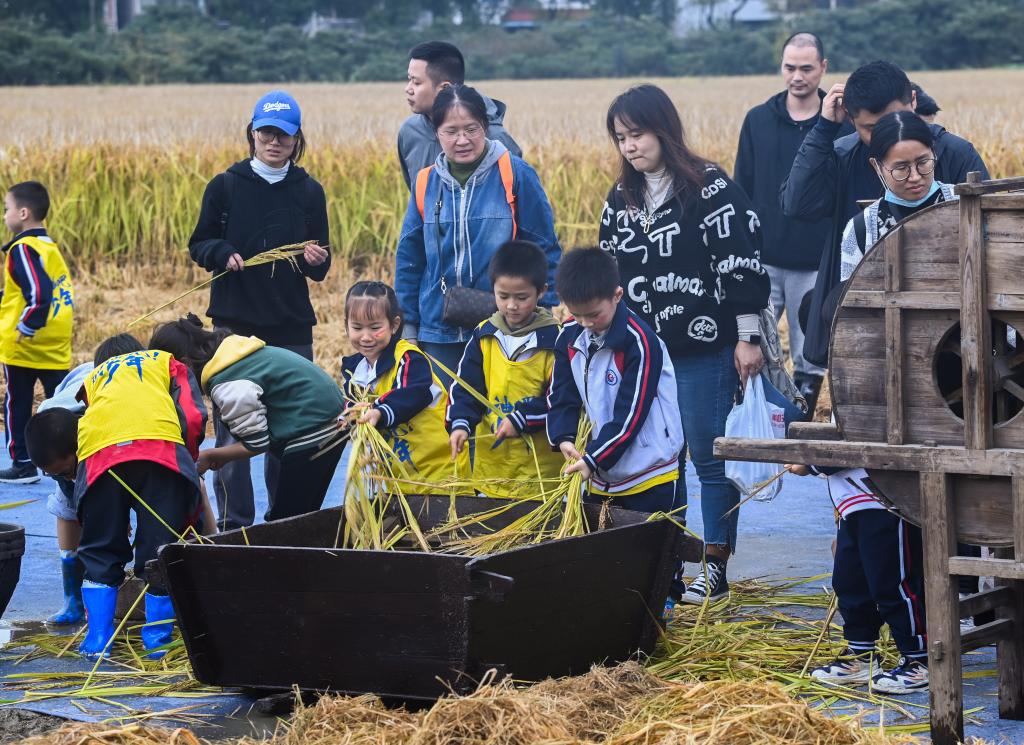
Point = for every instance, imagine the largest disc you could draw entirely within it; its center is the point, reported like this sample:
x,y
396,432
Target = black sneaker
x,y
908,676
23,474
710,585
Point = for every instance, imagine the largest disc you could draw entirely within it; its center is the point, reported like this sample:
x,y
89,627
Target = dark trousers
x,y
21,386
661,498
232,483
105,547
302,485
878,579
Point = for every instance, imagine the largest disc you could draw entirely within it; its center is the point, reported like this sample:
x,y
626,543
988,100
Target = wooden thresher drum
x,y
927,379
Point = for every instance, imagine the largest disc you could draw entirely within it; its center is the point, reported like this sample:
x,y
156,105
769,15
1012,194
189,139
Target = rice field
x,y
126,167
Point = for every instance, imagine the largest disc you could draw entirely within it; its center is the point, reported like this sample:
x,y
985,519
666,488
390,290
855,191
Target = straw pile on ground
x,y
625,705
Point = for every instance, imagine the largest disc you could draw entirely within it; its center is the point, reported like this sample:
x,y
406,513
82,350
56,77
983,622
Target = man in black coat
x,y
771,135
829,176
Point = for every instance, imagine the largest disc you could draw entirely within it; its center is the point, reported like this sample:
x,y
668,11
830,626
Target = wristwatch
x,y
751,338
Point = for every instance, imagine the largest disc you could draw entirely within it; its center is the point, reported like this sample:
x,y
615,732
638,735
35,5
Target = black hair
x,y
189,342
806,39
377,294
874,86
926,105
297,153
897,126
459,95
445,63
31,195
523,259
648,108
50,435
115,346
587,274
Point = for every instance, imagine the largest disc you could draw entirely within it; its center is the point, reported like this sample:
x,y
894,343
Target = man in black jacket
x,y
771,135
829,176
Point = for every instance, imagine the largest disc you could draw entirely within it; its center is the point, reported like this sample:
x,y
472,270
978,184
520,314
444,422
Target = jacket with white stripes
x,y
850,489
26,269
628,388
413,390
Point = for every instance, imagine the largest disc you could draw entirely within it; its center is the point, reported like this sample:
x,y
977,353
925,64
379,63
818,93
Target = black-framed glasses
x,y
924,166
266,136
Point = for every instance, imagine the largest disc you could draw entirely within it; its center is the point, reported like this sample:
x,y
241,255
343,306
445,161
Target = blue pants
x,y
706,385
660,498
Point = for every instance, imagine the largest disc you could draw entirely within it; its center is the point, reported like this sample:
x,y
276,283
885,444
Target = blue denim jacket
x,y
461,228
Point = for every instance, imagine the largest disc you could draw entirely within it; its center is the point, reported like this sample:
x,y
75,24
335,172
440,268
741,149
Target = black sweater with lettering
x,y
691,266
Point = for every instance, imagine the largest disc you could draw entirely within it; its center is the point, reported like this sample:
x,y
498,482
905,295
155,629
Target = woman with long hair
x,y
688,243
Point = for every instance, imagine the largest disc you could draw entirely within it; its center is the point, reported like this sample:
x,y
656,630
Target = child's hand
x,y
314,254
457,440
209,460
371,417
505,430
569,451
797,470
580,467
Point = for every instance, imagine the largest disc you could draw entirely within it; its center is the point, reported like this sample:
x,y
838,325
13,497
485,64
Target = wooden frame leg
x,y
1010,657
943,611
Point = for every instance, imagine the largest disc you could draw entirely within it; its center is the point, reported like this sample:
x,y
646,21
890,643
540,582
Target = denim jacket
x,y
461,228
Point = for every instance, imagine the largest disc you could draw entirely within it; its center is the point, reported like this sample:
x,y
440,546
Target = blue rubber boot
x,y
72,571
158,608
100,604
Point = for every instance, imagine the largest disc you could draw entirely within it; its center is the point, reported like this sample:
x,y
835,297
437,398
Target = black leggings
x,y
302,483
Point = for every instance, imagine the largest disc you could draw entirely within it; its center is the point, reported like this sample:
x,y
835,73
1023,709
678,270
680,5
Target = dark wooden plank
x,y
994,462
894,375
945,684
988,187
987,633
881,299
814,431
975,328
986,600
1005,226
1017,492
1010,654
1002,202
1004,568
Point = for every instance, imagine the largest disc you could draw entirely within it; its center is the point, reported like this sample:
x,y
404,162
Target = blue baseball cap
x,y
277,109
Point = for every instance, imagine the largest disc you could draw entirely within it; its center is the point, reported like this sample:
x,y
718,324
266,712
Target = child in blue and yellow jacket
x,y
36,317
508,361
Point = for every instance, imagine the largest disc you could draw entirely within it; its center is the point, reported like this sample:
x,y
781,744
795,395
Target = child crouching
x,y
877,577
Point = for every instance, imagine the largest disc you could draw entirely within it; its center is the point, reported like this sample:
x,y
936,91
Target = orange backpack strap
x,y
505,169
421,187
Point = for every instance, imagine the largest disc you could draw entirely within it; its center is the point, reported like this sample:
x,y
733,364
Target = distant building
x,y
694,15
318,22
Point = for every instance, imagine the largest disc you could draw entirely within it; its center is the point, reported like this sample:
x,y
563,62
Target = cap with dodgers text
x,y
277,109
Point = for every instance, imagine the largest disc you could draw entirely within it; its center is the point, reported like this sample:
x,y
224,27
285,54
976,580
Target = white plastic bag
x,y
758,419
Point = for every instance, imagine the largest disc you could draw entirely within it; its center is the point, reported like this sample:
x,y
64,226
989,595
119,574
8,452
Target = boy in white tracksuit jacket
x,y
608,361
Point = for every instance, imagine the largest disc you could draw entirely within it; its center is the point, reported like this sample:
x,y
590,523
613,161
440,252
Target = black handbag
x,y
466,307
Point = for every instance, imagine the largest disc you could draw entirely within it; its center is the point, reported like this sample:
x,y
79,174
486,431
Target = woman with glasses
x,y
902,156
475,197
264,201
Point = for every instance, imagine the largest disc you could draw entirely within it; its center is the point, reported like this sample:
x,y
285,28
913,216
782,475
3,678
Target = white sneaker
x,y
966,624
848,669
907,677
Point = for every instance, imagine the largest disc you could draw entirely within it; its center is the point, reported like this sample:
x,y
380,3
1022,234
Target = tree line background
x,y
45,42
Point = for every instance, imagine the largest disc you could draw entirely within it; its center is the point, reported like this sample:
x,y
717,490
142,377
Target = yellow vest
x,y
50,348
128,398
421,444
508,383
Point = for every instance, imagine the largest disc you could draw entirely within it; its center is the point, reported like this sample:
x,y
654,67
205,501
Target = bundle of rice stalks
x,y
100,734
270,256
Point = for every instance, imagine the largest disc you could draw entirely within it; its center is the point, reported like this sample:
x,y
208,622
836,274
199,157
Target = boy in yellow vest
x,y
137,440
36,315
509,360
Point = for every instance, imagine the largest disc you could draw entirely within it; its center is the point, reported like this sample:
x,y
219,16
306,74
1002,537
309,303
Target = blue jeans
x,y
706,384
448,355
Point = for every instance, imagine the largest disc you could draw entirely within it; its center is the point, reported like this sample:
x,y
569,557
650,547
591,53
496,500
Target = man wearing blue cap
x,y
263,202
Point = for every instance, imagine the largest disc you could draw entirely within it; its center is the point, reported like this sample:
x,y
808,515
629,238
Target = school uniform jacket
x,y
412,403
141,406
38,303
628,389
517,387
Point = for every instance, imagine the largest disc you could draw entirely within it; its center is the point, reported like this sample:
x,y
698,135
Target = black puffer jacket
x,y
243,213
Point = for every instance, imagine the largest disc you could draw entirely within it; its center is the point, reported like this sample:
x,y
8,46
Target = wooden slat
x,y
916,300
1010,655
994,462
994,202
894,341
987,633
975,328
814,431
945,684
988,187
1017,490
970,566
986,600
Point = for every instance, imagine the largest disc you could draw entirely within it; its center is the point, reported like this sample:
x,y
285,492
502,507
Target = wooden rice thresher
x,y
926,371
277,605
